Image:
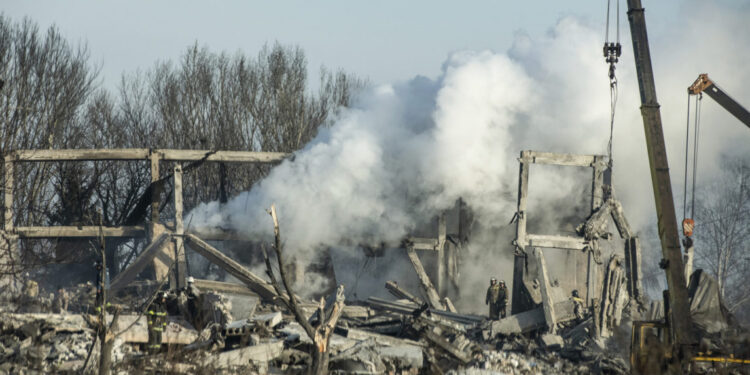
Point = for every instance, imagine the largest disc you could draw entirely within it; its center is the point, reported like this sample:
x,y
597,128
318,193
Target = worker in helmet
x,y
496,298
503,299
157,321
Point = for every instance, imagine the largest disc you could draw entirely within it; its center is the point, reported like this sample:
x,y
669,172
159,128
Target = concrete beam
x,y
81,232
548,304
144,258
433,298
554,241
255,283
144,153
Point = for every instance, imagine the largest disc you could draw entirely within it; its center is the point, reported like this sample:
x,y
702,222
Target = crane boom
x,y
679,320
704,84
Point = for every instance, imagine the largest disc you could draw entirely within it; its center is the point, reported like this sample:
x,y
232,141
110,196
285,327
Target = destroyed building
x,y
244,323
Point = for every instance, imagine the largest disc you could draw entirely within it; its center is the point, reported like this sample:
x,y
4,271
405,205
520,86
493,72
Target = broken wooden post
x,y
547,302
179,230
255,283
433,298
440,269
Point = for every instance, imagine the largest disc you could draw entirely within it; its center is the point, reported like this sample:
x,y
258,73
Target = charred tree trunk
x,y
319,363
328,314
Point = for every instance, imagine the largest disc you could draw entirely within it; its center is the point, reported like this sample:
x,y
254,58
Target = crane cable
x,y
612,52
688,222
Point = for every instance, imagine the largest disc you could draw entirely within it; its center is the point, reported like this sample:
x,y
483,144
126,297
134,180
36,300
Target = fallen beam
x,y
618,215
255,283
144,258
548,305
223,287
401,293
408,309
261,353
531,320
133,329
361,335
433,298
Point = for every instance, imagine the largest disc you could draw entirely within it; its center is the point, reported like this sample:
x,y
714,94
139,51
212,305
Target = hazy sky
x,y
382,40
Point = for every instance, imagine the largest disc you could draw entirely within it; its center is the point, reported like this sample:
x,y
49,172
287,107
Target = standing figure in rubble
x,y
577,306
503,301
194,304
60,303
157,322
497,298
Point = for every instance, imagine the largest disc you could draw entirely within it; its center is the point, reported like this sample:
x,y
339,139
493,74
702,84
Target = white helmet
x,y
190,280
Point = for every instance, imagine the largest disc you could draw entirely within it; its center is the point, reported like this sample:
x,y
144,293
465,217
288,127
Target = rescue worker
x,y
30,299
503,298
577,305
194,304
497,297
60,303
157,321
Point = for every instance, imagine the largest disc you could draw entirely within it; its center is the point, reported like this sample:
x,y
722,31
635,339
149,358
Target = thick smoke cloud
x,y
406,151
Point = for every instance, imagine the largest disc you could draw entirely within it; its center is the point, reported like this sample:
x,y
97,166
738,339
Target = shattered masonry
x,y
247,327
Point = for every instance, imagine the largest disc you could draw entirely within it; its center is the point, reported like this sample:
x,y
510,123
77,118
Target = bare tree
x,y
723,232
47,84
327,314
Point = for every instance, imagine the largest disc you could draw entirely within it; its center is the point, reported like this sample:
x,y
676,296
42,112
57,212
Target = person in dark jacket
x,y
497,299
157,321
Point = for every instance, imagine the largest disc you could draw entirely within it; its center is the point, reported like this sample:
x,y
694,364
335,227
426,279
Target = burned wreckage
x,y
562,319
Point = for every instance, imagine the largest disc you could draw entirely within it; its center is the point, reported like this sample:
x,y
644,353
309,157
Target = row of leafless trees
x,y
52,99
722,237
723,234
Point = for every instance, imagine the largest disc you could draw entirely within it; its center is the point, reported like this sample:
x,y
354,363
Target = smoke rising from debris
x,y
406,151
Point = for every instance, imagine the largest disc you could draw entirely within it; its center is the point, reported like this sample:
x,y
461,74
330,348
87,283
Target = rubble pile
x,y
47,343
375,336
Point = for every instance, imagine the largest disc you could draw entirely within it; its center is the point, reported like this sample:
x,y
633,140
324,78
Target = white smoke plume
x,y
406,151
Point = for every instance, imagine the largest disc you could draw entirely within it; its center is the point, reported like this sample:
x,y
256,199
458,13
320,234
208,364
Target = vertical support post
x,y
156,191
519,263
179,229
518,304
8,196
523,189
547,303
161,261
464,221
441,254
633,267
597,193
592,277
9,256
